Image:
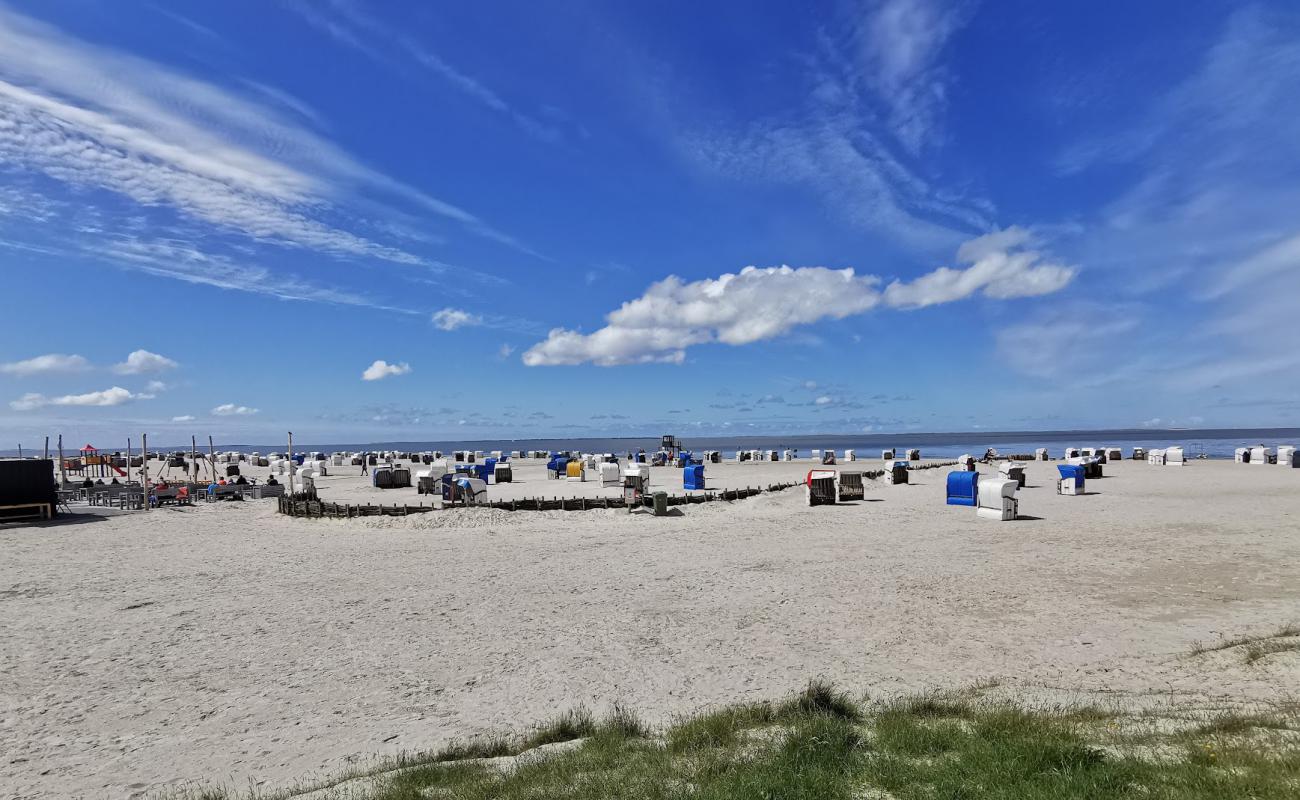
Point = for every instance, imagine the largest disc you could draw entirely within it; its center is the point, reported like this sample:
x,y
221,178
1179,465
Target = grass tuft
x,y
623,722
822,698
573,724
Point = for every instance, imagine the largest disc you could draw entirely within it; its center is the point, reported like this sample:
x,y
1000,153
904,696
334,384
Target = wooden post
x,y
144,470
63,472
194,457
291,463
128,459
47,448
212,458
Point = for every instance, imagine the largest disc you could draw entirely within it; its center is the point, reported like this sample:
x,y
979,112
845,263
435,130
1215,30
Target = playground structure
x,y
93,464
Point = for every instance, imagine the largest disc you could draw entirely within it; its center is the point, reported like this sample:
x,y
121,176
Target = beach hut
x,y
914,455
1261,455
963,488
693,477
895,471
850,455
1174,457
1072,477
1040,454
886,455
967,462
828,457
821,488
1011,471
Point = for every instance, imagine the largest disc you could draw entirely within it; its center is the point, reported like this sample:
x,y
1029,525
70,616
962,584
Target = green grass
x,y
821,744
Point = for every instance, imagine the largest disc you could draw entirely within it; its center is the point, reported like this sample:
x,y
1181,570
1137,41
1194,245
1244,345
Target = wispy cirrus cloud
x,y
233,410
873,101
899,47
347,23
114,396
46,364
94,117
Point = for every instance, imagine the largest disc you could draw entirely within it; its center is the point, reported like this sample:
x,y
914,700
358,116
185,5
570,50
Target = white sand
x,y
227,643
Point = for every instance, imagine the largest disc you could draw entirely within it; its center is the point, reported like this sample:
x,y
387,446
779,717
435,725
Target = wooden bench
x,y
42,511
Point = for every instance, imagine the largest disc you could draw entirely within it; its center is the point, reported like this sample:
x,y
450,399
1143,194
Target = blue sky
x,y
383,221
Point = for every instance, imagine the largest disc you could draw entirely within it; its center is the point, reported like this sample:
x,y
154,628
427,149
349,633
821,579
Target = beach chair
x,y
693,477
1072,479
895,472
1156,457
886,455
1261,455
1287,456
828,458
963,488
1011,471
1241,455
966,462
997,500
821,487
851,487
1174,457
850,455
913,455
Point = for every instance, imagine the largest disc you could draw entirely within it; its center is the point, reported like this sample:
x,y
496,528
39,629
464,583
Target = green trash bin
x,y
660,503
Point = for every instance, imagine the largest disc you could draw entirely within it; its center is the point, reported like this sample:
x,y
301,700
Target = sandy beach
x,y
227,643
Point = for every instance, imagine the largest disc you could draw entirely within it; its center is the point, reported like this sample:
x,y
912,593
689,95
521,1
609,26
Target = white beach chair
x,y
1174,457
1286,456
997,500
1260,455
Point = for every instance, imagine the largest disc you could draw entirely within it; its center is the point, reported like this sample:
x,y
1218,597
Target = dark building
x,y
26,480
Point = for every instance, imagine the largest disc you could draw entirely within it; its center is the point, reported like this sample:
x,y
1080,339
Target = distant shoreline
x,y
978,439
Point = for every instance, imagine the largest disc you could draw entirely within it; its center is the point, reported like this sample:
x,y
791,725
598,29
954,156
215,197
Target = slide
x,y
119,471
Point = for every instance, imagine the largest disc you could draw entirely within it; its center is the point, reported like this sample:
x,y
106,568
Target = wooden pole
x,y
291,463
194,457
212,458
144,471
47,448
20,449
63,471
128,459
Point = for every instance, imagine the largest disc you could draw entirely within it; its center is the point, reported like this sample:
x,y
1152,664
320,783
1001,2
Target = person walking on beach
x,y
365,464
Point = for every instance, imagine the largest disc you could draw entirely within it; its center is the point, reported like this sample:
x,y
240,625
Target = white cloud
x,y
382,369
51,362
232,410
140,362
184,418
505,351
449,319
758,304
900,43
156,386
824,400
997,269
91,116
114,396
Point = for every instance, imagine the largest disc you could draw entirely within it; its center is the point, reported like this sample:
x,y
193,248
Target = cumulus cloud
x,y
184,418
449,319
382,369
998,268
114,396
51,362
761,303
824,400
143,361
232,410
